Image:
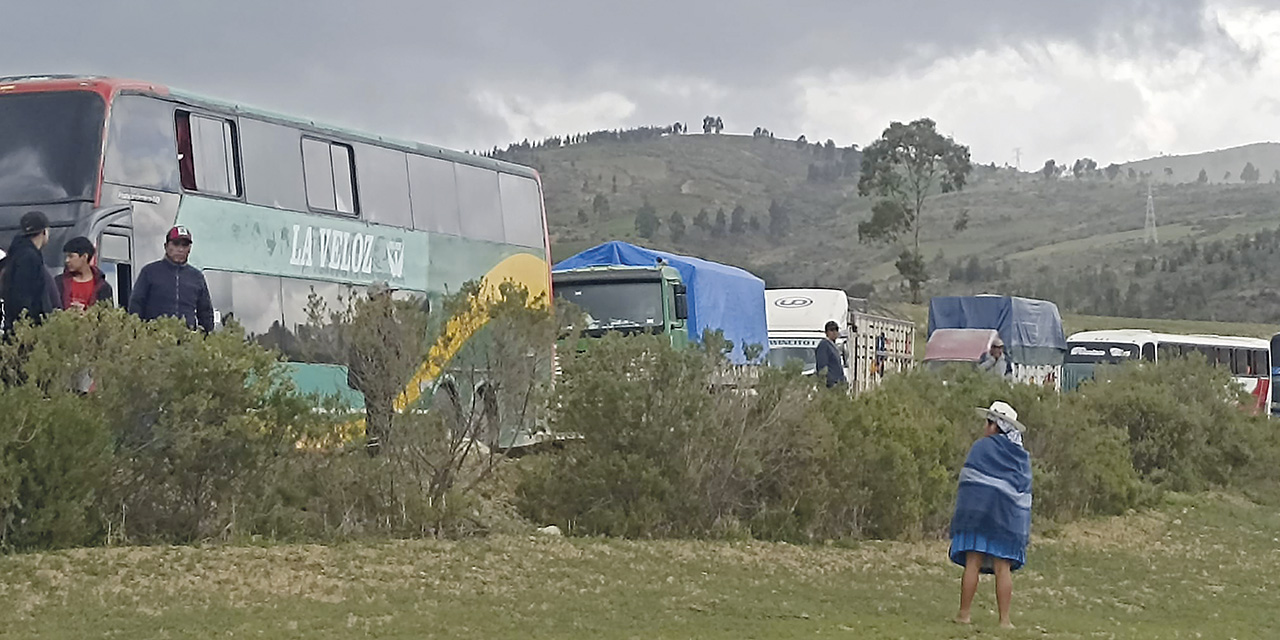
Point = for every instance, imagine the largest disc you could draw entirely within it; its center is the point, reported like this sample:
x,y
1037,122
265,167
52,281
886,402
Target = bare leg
x,y
969,584
1004,590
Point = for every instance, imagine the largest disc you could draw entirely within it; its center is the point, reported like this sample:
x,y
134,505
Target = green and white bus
x,y
279,206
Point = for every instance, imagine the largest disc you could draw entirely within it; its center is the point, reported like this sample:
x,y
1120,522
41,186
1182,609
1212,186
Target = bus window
x,y
434,190
480,203
328,171
272,165
521,210
1149,352
383,177
206,154
140,144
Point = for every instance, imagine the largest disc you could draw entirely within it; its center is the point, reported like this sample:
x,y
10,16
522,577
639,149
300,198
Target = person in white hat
x,y
992,520
994,360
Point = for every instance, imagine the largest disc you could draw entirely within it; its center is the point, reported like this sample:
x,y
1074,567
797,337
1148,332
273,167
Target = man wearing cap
x,y
171,287
27,285
994,360
992,521
827,357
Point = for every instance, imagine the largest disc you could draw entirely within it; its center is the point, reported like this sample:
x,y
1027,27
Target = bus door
x,y
116,263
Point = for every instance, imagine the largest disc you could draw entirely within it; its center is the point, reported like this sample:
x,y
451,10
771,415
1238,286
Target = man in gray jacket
x,y
994,360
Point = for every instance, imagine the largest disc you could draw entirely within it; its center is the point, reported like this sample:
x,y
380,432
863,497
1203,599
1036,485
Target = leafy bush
x,y
662,455
1185,422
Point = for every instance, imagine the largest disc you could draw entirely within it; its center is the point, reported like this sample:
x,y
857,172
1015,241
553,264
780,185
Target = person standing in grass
x,y
992,520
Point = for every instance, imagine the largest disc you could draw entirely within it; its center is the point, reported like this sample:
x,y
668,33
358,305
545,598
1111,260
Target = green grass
x,y
1199,566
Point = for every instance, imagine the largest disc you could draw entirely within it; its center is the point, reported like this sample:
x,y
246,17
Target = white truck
x,y
872,345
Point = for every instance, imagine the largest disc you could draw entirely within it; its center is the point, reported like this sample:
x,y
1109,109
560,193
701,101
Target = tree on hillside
x,y
1226,177
1083,168
802,141
738,220
754,223
1250,174
583,218
1050,170
676,225
1133,174
647,221
702,220
779,220
962,221
600,206
1203,178
903,167
722,222
1168,172
712,124
1113,170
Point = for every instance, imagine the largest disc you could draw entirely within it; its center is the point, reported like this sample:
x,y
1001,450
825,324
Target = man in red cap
x,y
171,287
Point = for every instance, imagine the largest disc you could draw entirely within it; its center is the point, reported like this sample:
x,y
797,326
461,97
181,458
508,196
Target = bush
x,y
662,455
1184,421
177,436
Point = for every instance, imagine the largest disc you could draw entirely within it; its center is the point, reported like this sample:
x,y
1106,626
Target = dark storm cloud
x,y
411,68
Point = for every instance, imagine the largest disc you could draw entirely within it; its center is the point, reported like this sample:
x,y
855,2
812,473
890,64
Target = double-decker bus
x,y
1248,359
279,206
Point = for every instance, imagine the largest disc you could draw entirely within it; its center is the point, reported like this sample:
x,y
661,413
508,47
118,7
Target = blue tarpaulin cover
x,y
1031,329
720,296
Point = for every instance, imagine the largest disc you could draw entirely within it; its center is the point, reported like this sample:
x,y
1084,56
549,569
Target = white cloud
x,y
531,118
1063,101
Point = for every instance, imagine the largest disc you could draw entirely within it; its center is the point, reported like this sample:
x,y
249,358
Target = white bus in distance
x,y
1248,359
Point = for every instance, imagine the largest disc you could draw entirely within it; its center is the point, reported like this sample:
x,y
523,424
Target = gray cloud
x,y
411,68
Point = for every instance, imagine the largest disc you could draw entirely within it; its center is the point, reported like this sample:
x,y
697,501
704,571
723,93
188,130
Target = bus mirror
x,y
682,305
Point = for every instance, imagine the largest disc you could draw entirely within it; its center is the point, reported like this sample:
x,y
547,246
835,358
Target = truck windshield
x,y
50,146
781,356
617,305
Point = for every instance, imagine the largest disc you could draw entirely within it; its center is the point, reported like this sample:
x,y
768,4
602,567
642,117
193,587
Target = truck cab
x,y
796,319
627,299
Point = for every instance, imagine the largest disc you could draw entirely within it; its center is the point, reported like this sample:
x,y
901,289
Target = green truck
x,y
630,289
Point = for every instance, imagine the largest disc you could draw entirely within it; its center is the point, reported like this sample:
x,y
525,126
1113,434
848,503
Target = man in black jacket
x,y
171,287
827,357
27,285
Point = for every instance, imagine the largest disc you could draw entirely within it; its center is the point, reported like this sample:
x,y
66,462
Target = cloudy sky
x,y
1112,79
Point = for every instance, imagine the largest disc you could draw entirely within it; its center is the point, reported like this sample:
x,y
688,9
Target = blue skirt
x,y
966,541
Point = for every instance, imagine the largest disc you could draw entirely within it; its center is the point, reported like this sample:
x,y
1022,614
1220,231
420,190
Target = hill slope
x,y
1078,242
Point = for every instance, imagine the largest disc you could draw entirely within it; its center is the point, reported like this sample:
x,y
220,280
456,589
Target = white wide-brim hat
x,y
1001,412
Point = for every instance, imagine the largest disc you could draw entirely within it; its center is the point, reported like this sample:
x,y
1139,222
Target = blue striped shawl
x,y
994,496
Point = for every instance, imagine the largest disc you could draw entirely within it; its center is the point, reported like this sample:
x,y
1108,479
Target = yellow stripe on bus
x,y
522,268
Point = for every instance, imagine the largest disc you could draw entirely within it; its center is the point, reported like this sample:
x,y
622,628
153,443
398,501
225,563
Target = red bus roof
x,y
105,87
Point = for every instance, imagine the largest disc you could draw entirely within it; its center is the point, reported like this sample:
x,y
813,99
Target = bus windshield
x,y
1101,352
50,146
617,305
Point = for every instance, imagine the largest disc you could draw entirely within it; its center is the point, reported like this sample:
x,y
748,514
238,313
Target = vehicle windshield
x,y
1101,352
617,305
781,356
50,146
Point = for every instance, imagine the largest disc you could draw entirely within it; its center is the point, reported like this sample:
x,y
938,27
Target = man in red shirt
x,y
81,285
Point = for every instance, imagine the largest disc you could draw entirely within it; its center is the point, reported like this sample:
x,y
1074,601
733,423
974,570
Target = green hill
x,y
1079,242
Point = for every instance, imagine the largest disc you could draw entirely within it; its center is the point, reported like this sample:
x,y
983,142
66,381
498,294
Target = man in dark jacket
x,y
827,356
81,285
27,285
171,287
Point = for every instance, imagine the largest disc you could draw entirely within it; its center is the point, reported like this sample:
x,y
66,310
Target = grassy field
x,y
1197,567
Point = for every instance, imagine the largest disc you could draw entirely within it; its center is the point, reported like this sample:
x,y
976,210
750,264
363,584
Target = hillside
x,y
1078,242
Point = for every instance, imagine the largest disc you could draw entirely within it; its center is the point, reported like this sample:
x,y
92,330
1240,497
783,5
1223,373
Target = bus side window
x,y
1149,352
